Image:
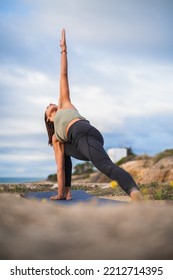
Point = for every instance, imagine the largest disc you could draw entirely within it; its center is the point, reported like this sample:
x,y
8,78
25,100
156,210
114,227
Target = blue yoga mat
x,y
78,196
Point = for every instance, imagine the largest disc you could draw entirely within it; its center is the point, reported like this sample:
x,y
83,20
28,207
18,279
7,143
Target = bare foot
x,y
68,193
68,197
57,197
136,196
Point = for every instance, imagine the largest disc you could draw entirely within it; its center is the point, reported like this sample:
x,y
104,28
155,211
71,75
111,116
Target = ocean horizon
x,y
10,180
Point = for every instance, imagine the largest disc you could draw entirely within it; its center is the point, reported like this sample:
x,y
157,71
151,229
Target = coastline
x,y
20,180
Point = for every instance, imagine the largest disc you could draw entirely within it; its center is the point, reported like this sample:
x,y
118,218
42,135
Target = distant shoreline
x,y
20,180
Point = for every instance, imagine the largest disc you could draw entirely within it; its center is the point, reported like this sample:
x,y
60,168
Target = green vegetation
x,y
131,156
164,154
126,159
99,191
24,188
157,191
152,191
52,177
83,168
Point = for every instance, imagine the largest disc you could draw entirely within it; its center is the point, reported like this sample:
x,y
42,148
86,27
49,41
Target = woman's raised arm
x,y
64,98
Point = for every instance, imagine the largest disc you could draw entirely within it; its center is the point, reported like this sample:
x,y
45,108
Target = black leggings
x,y
86,143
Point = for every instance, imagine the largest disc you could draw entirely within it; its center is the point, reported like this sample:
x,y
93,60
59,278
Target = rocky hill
x,y
147,170
144,169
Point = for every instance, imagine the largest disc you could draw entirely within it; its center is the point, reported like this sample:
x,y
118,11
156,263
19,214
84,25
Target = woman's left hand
x,y
63,41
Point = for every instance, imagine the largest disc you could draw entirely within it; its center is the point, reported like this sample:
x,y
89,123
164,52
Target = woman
x,y
72,135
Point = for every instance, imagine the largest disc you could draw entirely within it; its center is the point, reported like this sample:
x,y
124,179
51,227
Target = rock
x,y
147,171
138,169
143,170
162,171
99,178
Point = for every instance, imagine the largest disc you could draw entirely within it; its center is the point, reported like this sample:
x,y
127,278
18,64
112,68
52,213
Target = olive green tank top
x,y
62,118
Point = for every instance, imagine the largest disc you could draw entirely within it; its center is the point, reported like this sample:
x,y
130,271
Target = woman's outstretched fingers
x,y
63,40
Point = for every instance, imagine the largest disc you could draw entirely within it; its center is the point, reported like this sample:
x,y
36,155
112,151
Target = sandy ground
x,y
36,230
128,199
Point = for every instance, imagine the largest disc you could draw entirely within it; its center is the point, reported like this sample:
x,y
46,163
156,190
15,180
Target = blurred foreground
x,y
37,230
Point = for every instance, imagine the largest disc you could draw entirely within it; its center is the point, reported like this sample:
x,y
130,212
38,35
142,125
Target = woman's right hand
x,y
63,41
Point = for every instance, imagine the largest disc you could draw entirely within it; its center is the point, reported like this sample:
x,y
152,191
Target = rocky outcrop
x,y
147,170
143,169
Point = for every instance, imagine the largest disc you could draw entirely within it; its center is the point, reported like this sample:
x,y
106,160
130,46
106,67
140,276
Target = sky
x,y
120,55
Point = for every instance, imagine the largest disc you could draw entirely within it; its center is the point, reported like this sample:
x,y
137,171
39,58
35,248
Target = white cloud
x,y
113,21
27,82
38,157
125,91
25,95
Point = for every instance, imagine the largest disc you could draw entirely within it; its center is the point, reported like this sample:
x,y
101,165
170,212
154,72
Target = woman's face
x,y
52,108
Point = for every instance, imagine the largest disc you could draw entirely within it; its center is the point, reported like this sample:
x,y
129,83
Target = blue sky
x,y
120,72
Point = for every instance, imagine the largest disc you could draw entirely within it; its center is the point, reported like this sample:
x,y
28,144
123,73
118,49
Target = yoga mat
x,y
78,196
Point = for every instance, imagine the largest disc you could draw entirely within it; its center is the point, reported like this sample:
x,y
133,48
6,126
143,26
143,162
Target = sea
x,y
19,180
